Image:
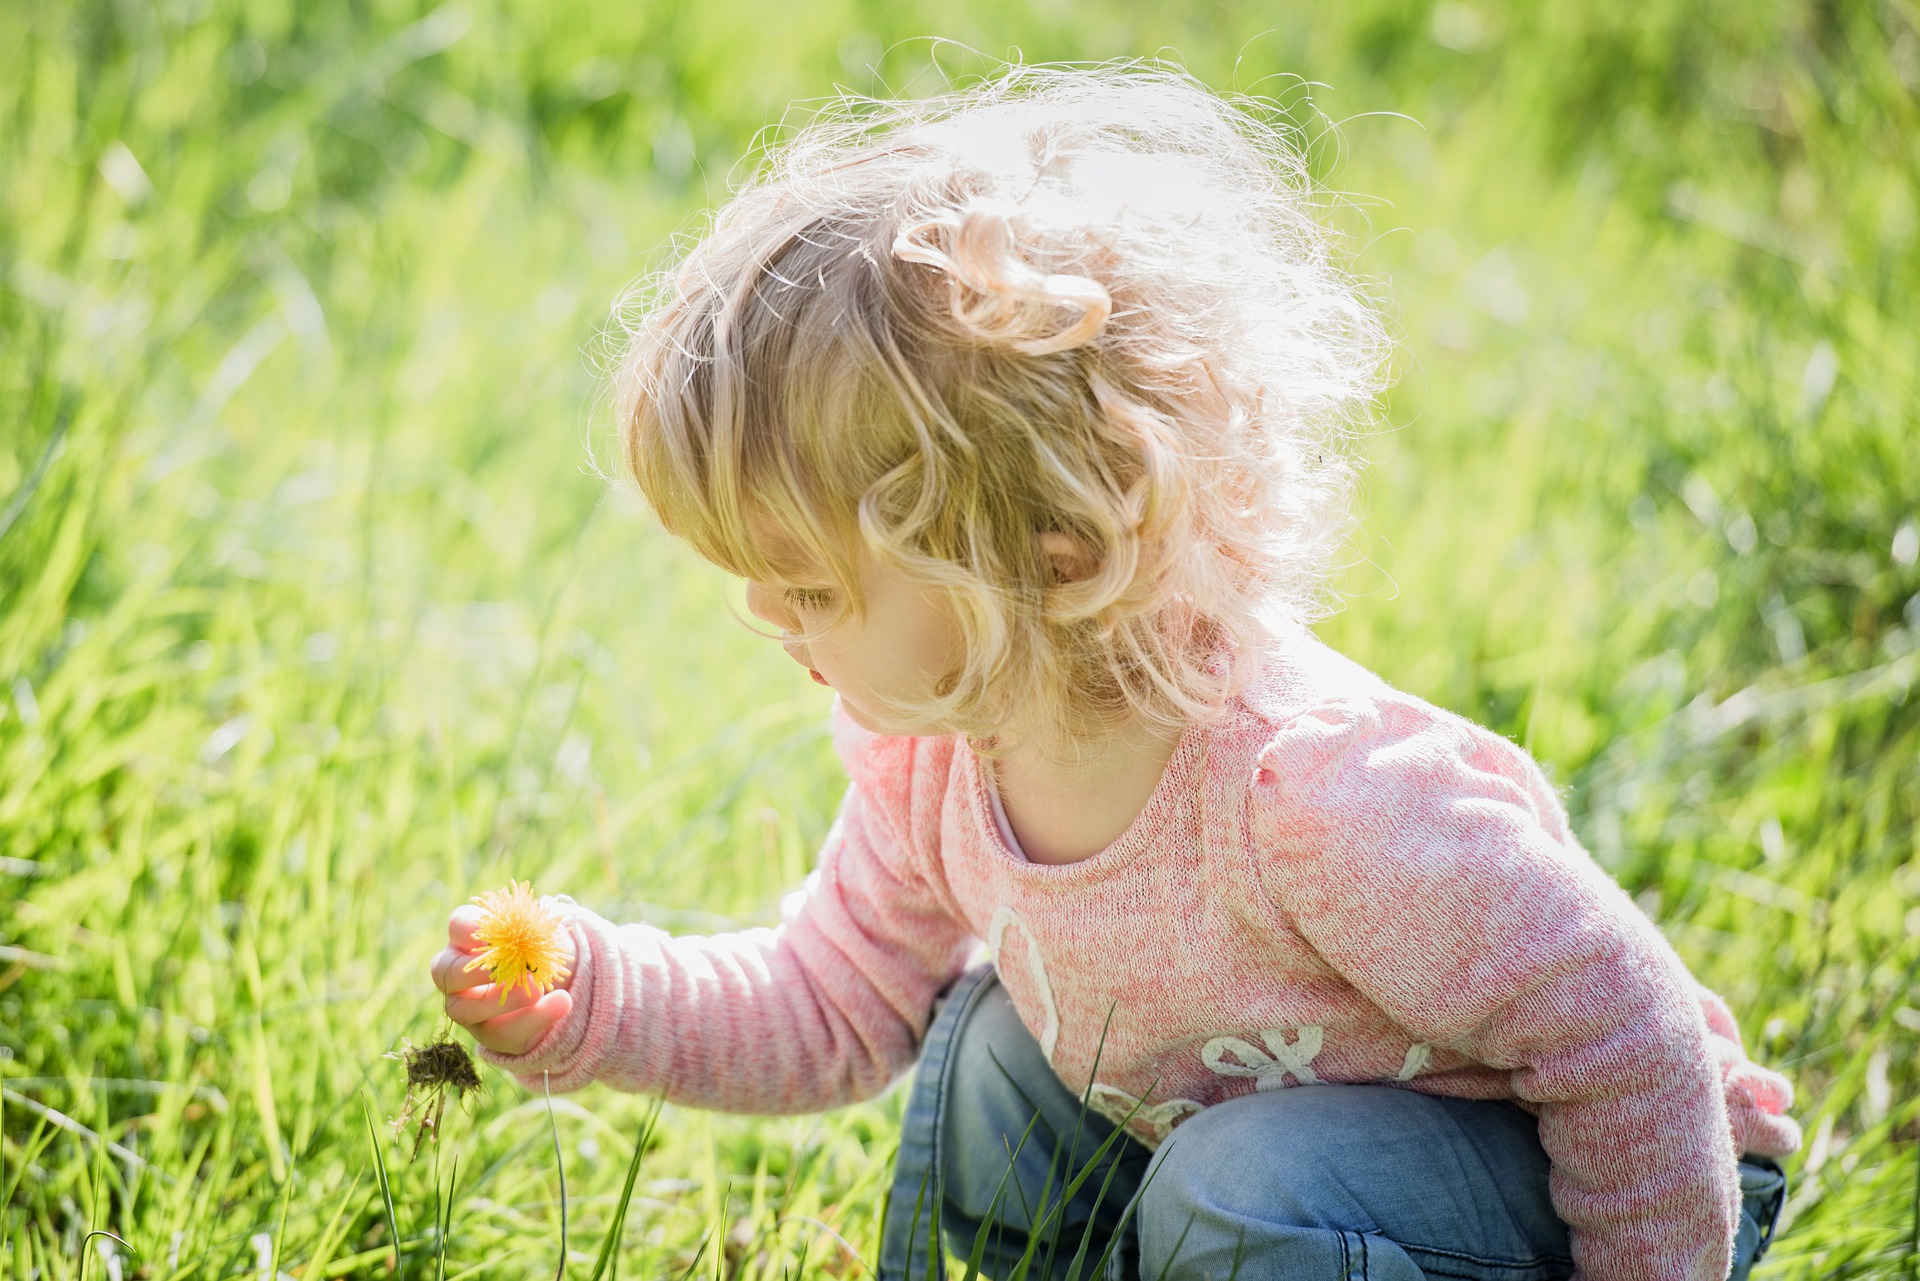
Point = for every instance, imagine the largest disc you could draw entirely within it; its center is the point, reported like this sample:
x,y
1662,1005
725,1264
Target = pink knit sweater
x,y
1335,882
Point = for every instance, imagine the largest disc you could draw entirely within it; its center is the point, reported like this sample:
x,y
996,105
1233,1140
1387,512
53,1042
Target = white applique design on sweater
x,y
1419,1059
1004,916
1269,1069
1115,1104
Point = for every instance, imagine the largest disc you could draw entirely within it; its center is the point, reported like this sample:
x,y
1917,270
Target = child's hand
x,y
473,1000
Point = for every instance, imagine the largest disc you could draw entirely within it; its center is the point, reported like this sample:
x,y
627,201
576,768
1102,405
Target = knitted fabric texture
x,y
1334,882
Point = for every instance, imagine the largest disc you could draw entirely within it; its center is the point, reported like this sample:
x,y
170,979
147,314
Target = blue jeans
x,y
1312,1182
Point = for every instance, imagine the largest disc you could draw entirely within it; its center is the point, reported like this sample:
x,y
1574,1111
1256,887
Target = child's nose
x,y
764,603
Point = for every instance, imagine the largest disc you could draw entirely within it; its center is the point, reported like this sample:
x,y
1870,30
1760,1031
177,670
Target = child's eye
x,y
812,598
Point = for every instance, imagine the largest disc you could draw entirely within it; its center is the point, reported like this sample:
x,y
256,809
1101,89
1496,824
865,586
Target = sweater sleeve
x,y
824,1009
1430,863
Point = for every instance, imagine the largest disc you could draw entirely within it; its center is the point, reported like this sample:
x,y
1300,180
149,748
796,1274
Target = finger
x,y
450,972
461,925
518,1031
478,1004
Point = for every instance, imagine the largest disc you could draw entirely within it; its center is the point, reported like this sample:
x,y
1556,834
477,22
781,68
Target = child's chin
x,y
859,716
889,726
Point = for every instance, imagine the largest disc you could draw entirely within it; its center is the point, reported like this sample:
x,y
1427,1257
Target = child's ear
x,y
1066,555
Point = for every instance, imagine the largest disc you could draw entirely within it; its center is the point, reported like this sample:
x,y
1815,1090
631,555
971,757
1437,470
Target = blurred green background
x,y
314,619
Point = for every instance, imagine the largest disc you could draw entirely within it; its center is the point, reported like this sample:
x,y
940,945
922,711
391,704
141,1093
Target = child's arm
x,y
827,1008
1431,864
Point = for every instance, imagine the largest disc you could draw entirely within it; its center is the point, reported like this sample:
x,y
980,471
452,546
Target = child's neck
x,y
1067,808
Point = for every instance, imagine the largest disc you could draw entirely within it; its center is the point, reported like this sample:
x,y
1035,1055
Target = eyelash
x,y
808,597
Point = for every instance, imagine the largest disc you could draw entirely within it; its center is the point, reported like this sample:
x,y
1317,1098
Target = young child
x,y
1020,411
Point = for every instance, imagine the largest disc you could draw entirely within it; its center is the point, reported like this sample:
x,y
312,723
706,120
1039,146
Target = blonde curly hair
x,y
1092,302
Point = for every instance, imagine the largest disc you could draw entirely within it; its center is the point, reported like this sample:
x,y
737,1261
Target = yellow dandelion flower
x,y
522,935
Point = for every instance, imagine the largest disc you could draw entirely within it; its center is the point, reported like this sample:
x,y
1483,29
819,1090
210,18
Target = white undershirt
x,y
1000,814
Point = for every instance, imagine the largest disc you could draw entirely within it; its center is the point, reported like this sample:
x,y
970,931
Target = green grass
x,y
313,621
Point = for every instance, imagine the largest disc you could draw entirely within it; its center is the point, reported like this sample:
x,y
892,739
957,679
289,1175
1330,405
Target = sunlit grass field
x,y
315,618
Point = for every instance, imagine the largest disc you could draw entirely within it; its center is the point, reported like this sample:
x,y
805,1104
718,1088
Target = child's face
x,y
908,641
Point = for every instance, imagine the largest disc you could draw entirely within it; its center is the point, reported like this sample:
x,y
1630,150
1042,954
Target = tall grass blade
x,y
86,1253
560,1168
991,1221
386,1187
913,1226
1086,1233
1079,1125
334,1232
936,1251
1913,1241
280,1228
1240,1248
444,1222
699,1253
1179,1241
1057,1218
608,1264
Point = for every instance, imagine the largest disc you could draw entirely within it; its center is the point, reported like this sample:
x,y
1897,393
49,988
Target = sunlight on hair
x,y
1096,302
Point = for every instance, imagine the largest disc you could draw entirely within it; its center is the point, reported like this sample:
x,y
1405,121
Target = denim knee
x,y
1213,1162
1351,1180
1224,1198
